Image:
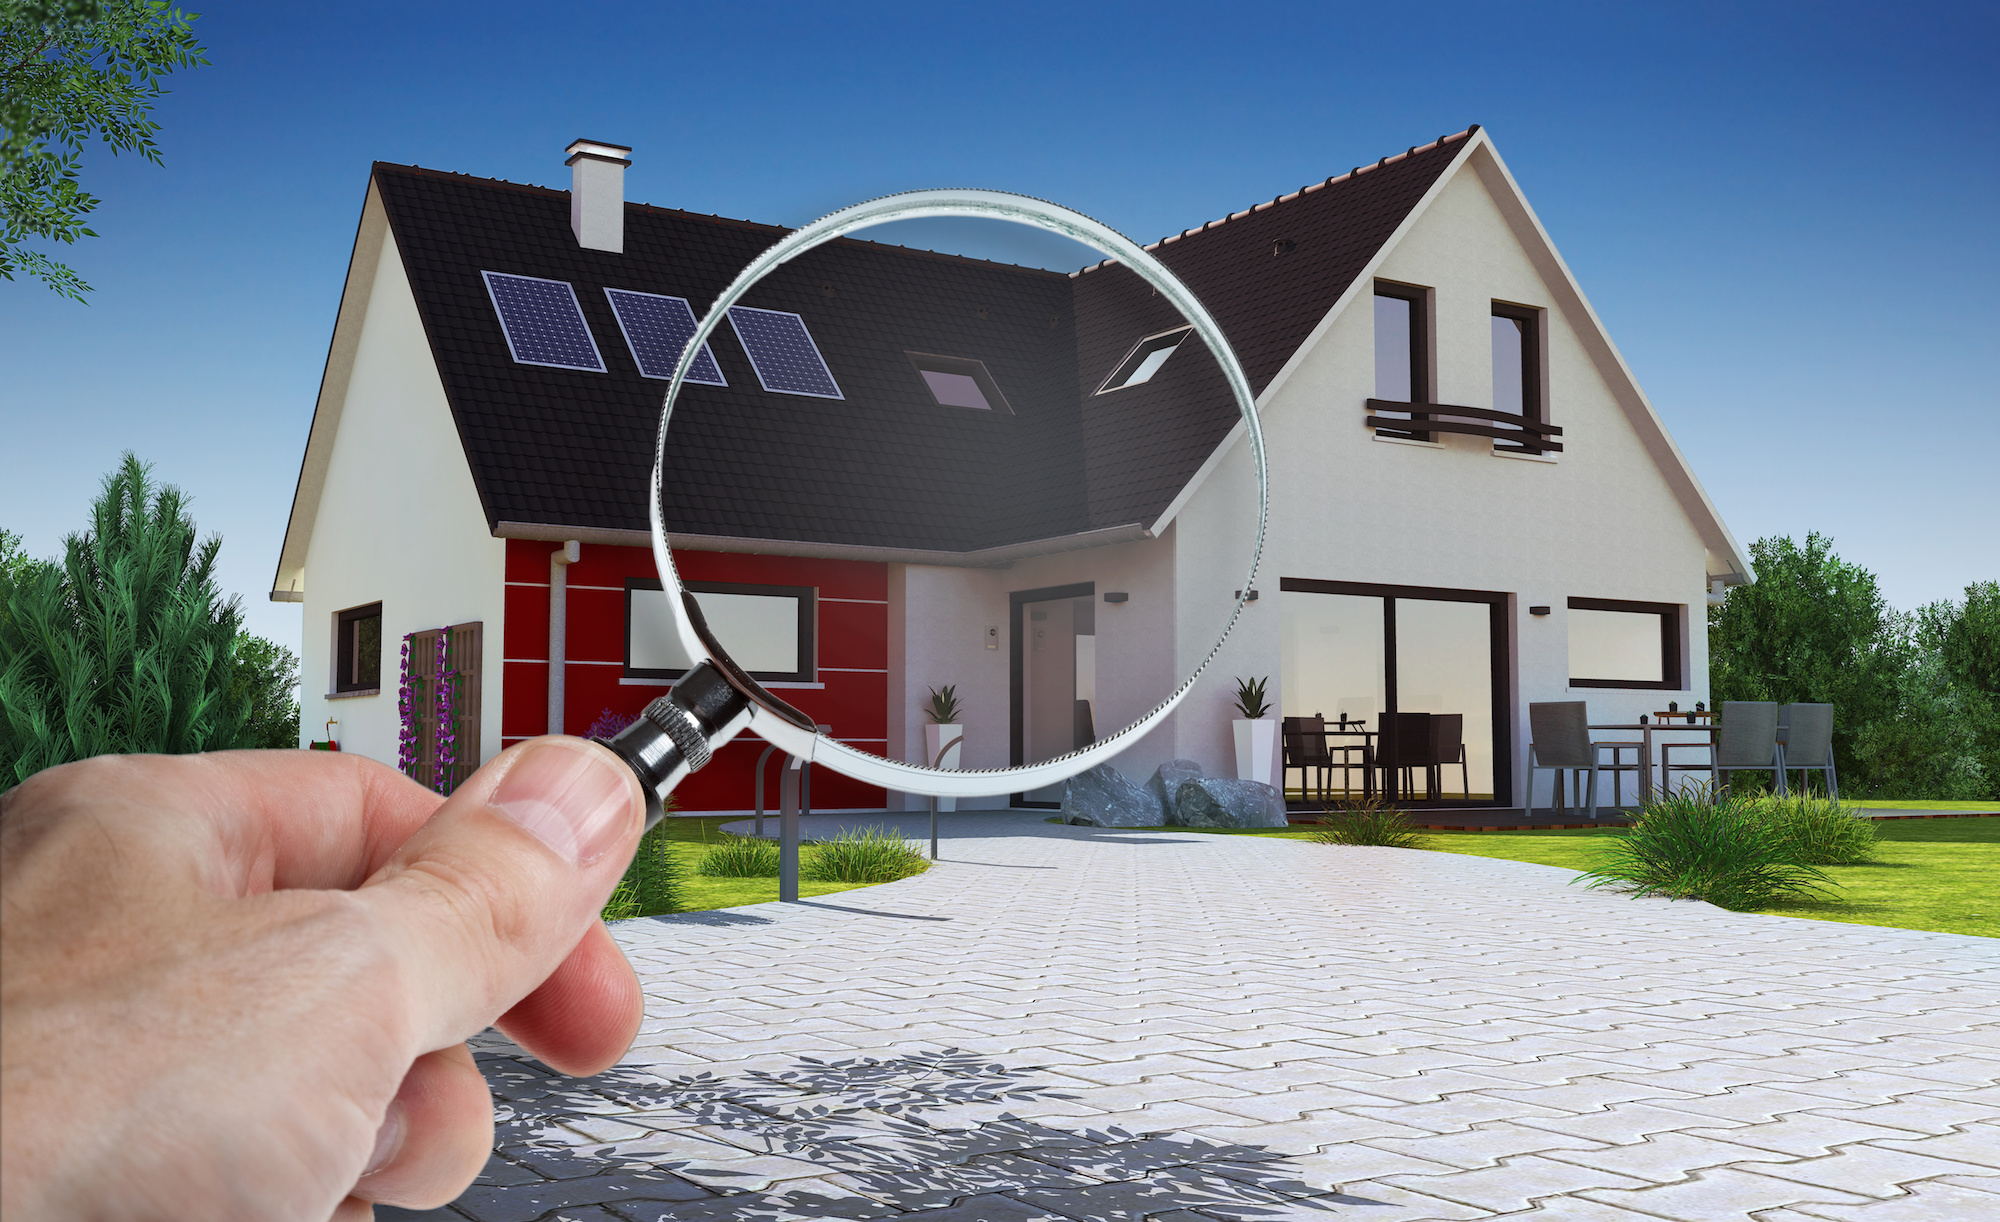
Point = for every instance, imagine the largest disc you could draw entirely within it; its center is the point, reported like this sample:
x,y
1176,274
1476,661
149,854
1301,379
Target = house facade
x,y
898,470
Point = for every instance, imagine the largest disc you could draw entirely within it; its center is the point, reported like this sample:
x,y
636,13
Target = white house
x,y
901,470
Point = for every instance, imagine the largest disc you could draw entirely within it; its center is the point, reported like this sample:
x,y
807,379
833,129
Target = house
x,y
901,469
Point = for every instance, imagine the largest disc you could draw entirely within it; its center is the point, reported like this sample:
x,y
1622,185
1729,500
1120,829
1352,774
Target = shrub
x,y
1822,833
655,881
1732,854
740,857
863,855
1373,823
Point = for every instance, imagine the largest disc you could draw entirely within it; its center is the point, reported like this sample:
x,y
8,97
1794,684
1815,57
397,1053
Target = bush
x,y
1374,823
863,855
1822,833
740,857
1734,854
655,881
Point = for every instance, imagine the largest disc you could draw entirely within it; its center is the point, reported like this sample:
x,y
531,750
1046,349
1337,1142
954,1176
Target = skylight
x,y
1145,359
543,322
958,382
657,330
783,353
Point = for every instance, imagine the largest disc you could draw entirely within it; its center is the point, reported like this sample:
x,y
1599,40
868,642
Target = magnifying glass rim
x,y
769,720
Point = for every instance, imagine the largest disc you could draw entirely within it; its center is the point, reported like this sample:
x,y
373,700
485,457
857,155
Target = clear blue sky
x,y
1784,213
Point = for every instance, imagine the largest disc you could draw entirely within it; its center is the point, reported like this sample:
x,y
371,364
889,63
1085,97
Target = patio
x,y
1078,1023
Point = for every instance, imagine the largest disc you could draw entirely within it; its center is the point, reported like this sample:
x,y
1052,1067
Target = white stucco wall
x,y
1599,521
398,521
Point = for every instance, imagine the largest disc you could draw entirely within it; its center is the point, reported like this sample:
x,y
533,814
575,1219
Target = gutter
x,y
989,557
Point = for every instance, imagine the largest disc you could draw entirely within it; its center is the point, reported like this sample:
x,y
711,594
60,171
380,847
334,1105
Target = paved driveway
x,y
1068,1023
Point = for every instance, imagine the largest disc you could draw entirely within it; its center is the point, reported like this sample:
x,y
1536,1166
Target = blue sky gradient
x,y
1783,213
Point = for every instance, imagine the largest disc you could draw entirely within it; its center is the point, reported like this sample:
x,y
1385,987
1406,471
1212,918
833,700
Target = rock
x,y
1102,797
1218,802
1167,780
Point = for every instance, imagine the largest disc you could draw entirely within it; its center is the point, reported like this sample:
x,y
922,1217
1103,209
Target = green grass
x,y
691,837
1920,804
863,856
1741,854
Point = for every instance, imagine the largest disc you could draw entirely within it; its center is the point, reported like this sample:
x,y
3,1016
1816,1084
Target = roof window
x,y
1145,359
958,382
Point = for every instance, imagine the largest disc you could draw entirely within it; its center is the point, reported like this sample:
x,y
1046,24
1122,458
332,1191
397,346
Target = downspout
x,y
559,562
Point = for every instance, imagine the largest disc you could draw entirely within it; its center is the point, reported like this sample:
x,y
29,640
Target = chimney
x,y
597,194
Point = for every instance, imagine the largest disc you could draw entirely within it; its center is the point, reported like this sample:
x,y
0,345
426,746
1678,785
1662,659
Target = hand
x,y
238,986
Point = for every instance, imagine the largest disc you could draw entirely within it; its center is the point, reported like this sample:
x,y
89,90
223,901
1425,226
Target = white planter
x,y
936,736
1255,743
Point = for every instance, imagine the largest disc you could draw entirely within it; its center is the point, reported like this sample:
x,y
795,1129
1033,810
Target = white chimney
x,y
597,194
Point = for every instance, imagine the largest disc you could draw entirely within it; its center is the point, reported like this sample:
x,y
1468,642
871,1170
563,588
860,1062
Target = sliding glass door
x,y
1411,684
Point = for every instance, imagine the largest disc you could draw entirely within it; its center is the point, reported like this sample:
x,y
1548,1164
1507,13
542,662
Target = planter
x,y
1256,742
936,736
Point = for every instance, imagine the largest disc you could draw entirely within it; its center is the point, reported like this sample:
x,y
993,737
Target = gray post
x,y
788,829
760,786
939,763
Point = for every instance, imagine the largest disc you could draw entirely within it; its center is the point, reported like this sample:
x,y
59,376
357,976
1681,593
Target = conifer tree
x,y
126,645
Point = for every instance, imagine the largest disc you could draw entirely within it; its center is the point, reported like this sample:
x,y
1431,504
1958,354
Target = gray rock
x,y
1167,780
1102,797
1219,802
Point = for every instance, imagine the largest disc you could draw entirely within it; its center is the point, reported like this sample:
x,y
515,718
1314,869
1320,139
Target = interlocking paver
x,y
1249,1027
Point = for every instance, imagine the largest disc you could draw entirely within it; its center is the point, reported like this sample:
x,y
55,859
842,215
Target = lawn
x,y
1934,874
693,837
1992,808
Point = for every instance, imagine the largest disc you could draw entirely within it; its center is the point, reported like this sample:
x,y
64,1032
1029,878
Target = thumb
x,y
489,896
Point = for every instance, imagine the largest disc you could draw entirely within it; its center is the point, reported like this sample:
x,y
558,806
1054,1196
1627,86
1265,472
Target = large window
x,y
357,650
1402,350
1614,643
768,630
1517,366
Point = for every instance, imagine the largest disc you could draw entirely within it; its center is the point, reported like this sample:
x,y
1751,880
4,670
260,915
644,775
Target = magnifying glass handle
x,y
678,733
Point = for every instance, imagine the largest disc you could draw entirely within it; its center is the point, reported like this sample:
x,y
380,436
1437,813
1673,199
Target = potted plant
x,y
1256,734
943,728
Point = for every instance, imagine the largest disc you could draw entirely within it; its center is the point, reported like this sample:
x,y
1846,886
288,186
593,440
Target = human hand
x,y
238,985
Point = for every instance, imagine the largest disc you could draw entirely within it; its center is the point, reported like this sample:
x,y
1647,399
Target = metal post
x,y
939,763
760,787
788,828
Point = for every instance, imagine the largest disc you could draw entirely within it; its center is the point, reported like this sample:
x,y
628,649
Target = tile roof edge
x,y
984,557
1308,189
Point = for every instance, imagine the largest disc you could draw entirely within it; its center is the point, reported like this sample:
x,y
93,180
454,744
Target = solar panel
x,y
657,330
783,353
543,322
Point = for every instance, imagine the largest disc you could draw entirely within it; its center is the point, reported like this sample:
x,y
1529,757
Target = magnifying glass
x,y
1116,417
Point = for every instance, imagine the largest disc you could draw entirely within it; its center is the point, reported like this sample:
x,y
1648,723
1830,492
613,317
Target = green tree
x,y
126,645
265,677
1966,640
70,71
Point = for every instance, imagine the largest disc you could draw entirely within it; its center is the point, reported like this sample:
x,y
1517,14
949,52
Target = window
x,y
1145,359
1517,366
1613,643
768,630
956,382
357,650
1402,350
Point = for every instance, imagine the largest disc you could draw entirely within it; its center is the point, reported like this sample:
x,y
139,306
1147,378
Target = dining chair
x,y
1809,744
1403,746
1618,767
1559,733
1746,740
1448,748
1304,740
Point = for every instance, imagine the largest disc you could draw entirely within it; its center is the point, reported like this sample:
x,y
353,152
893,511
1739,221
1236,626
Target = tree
x,y
126,645
71,70
1966,639
265,676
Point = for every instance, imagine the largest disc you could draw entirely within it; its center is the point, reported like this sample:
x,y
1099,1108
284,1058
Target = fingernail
x,y
388,1138
576,802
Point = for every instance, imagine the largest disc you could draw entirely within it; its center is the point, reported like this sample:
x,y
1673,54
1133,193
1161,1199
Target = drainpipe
x,y
559,562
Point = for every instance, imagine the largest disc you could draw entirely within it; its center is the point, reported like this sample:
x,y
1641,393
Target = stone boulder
x,y
1219,802
1167,781
1102,797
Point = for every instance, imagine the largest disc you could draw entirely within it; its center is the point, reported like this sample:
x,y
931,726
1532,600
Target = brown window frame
x,y
347,643
1533,396
1421,392
1671,615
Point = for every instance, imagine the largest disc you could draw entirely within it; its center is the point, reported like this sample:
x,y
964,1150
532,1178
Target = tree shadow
x,y
883,1126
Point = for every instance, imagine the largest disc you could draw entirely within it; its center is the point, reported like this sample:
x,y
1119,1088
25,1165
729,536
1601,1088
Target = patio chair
x,y
1304,742
1746,740
1809,744
1403,745
1618,767
1560,740
1448,748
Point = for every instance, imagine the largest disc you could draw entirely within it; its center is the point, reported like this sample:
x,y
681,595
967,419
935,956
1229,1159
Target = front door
x,y
1054,639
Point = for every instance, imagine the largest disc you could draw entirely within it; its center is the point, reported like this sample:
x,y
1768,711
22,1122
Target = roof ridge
x,y
1308,189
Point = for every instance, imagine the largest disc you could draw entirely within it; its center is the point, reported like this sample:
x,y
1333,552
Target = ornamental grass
x,y
655,882
1373,824
1737,853
740,857
863,855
